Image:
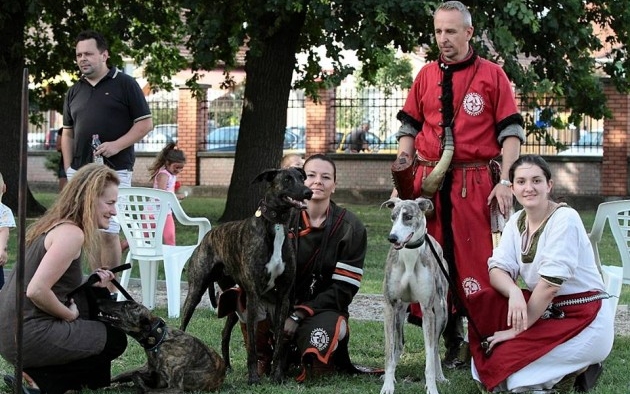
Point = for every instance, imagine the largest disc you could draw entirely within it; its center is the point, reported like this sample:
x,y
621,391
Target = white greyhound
x,y
412,274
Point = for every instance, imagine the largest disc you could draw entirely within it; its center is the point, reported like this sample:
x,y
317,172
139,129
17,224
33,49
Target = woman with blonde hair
x,y
63,349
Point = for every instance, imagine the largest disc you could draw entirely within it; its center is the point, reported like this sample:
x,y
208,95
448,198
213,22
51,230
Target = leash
x,y
484,342
95,278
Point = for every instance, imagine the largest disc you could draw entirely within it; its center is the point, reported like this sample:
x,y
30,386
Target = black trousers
x,y
92,372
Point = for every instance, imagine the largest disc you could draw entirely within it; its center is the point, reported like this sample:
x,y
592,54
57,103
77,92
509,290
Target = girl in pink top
x,y
169,162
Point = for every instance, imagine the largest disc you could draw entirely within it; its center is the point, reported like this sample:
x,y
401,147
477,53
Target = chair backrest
x,y
142,215
617,213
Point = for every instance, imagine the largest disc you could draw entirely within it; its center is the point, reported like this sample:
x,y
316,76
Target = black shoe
x,y
9,380
588,379
457,356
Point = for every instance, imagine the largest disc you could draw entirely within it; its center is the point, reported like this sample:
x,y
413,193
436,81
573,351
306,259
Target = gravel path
x,y
364,306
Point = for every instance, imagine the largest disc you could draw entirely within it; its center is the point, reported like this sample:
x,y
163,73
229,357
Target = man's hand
x,y
504,197
108,149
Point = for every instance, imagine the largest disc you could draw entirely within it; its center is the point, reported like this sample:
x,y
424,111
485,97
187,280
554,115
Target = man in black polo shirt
x,y
109,103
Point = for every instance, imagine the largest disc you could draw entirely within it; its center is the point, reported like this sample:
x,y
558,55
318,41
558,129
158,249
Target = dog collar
x,y
274,216
152,340
416,244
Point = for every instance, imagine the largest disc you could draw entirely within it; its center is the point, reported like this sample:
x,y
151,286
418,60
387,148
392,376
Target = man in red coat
x,y
473,97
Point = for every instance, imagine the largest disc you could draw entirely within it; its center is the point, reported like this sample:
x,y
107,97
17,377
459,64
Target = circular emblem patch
x,y
473,104
470,285
319,339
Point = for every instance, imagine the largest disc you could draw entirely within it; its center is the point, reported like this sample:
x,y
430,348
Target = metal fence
x,y
548,129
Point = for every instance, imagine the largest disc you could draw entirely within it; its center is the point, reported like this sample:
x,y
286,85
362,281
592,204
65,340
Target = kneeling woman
x,y
560,326
63,349
331,243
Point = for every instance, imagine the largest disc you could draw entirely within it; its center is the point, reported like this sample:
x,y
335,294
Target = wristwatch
x,y
505,182
295,318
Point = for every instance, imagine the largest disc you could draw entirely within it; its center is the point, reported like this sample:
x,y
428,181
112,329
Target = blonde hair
x,y
286,159
1,186
77,203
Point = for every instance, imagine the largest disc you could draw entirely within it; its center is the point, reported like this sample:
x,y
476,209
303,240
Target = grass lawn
x,y
367,341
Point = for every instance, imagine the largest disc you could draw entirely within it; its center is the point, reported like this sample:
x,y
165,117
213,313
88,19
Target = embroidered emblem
x,y
473,104
471,285
320,339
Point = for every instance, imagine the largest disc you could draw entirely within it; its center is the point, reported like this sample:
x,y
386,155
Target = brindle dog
x,y
253,254
175,360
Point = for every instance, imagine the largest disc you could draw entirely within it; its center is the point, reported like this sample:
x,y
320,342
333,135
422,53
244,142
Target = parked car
x,y
157,138
591,143
389,145
223,139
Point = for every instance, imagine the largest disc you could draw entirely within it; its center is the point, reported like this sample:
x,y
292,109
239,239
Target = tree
x,y
556,39
39,35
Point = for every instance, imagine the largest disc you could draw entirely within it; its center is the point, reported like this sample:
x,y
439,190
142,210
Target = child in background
x,y
292,160
169,162
6,222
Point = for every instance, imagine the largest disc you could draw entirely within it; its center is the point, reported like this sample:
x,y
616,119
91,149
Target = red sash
x,y
490,314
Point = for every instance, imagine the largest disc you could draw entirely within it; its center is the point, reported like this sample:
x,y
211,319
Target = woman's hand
x,y
290,325
517,311
500,336
105,276
73,310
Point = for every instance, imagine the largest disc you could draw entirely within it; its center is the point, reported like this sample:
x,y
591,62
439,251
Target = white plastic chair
x,y
617,213
142,214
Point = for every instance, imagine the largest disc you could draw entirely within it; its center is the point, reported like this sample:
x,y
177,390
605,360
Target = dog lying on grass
x,y
175,359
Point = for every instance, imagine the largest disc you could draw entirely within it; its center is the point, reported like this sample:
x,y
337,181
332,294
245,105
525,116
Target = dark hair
x,y
170,154
533,160
101,42
320,156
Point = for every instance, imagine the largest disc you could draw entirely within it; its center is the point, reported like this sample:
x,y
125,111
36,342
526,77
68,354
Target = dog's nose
x,y
392,238
308,194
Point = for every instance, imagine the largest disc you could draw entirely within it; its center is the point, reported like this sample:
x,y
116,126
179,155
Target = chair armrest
x,y
181,216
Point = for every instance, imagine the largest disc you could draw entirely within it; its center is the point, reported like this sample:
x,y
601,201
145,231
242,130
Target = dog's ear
x,y
301,171
266,175
425,204
390,203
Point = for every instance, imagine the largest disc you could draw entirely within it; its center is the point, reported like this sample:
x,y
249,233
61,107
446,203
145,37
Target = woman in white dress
x,y
556,331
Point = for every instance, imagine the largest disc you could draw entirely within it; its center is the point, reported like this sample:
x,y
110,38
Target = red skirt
x,y
490,314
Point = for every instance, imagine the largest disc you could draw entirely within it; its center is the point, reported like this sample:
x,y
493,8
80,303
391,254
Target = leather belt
x,y
464,164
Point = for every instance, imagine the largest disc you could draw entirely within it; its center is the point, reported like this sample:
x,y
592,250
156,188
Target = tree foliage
x,y
545,47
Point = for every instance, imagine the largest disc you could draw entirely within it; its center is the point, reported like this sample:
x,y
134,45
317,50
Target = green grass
x,y
367,342
366,347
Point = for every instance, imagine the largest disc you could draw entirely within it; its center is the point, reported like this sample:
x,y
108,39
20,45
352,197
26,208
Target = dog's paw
x,y
388,387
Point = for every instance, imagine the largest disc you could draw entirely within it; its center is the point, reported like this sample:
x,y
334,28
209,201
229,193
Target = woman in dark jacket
x,y
331,243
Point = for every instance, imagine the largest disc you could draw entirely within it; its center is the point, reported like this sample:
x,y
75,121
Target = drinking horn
x,y
433,181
